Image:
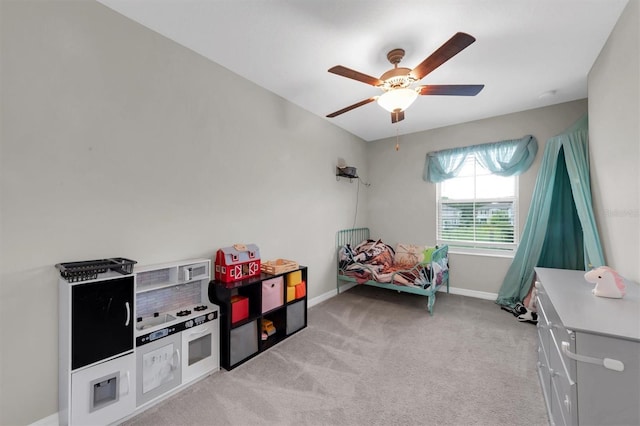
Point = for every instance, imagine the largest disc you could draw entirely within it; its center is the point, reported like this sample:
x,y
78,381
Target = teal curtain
x,y
563,242
505,158
577,156
566,152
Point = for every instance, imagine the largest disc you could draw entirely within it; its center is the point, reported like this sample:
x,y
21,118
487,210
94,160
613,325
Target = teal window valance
x,y
505,158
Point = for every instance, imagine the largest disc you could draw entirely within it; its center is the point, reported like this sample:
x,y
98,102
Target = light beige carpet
x,y
375,357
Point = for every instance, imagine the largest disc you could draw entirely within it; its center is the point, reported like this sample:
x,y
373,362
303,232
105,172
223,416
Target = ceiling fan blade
x,y
448,50
349,108
355,75
450,89
397,116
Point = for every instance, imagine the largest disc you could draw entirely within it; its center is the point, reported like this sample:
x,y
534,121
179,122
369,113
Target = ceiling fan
x,y
396,83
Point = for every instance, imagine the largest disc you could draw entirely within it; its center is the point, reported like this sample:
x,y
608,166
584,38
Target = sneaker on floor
x,y
529,316
519,309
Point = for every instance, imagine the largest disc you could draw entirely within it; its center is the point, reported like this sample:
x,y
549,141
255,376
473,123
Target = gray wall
x,y
119,142
614,132
402,207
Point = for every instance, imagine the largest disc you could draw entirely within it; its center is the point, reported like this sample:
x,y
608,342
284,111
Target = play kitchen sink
x,y
153,321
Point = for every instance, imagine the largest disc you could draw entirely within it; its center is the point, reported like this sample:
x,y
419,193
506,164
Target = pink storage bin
x,y
272,293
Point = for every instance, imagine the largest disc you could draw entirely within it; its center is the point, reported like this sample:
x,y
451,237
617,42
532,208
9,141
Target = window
x,y
478,211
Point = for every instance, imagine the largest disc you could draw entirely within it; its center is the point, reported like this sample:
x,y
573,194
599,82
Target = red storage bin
x,y
272,294
239,308
301,290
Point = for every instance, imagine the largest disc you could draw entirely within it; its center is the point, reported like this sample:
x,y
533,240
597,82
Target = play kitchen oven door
x,y
200,347
159,367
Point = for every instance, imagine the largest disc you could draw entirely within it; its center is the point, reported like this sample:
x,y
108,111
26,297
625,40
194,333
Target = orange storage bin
x,y
301,290
239,308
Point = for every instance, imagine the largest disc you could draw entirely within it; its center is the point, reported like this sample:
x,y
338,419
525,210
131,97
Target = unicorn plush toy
x,y
608,282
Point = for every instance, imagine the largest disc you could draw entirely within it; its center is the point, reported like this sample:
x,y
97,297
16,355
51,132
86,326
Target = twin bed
x,y
406,268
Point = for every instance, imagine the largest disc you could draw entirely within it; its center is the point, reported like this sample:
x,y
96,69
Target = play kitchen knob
x,y
210,317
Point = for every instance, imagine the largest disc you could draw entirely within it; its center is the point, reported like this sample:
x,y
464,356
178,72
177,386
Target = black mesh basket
x,y
89,269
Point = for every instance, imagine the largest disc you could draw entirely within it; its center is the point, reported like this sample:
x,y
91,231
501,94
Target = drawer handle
x,y
175,365
611,364
127,375
567,403
547,326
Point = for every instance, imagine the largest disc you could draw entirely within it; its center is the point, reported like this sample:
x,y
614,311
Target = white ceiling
x,y
523,49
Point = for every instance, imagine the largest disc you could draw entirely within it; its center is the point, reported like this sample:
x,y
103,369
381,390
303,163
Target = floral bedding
x,y
374,260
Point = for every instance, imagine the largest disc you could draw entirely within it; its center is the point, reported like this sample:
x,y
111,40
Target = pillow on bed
x,y
428,251
408,254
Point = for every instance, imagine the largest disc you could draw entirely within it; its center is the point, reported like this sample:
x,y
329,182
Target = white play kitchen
x,y
130,337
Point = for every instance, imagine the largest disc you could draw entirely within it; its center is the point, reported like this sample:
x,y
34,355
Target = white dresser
x,y
588,351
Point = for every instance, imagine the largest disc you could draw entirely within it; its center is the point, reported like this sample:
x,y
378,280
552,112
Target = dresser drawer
x,y
545,379
543,346
563,386
558,361
561,370
550,314
556,333
557,415
543,330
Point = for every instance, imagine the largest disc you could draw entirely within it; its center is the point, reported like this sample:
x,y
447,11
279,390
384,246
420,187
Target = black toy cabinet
x,y
267,308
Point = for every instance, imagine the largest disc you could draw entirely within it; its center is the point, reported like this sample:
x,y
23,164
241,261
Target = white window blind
x,y
478,211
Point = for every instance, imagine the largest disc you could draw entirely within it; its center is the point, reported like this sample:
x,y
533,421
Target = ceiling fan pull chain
x,y
397,139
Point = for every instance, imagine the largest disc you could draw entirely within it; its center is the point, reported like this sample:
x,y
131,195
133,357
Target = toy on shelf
x,y
268,329
278,266
237,262
608,282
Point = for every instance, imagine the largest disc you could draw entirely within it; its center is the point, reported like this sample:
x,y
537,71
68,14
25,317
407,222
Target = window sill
x,y
485,253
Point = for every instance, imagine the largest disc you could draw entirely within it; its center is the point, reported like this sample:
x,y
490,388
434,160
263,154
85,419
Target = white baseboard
x,y
328,295
51,420
470,293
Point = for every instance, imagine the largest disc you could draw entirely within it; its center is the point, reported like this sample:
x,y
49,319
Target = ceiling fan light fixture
x,y
396,83
397,99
